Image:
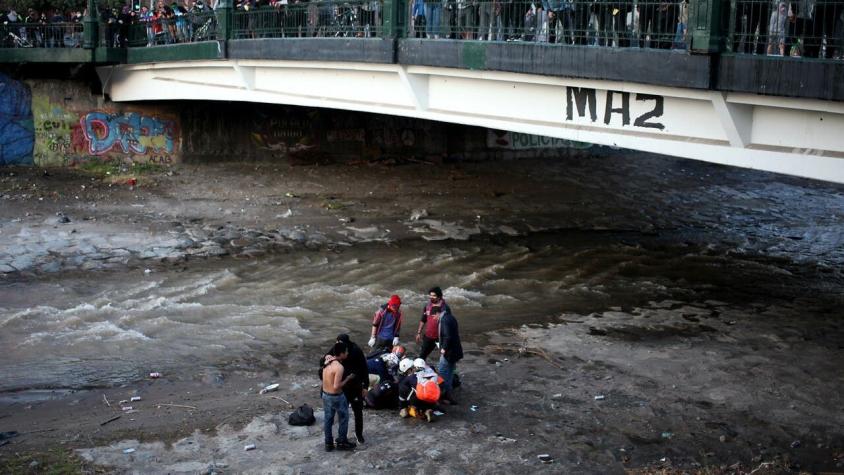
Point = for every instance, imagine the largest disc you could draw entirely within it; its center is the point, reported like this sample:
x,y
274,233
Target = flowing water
x,y
89,330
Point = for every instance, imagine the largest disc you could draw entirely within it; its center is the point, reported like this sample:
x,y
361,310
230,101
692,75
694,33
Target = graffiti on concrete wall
x,y
58,136
71,126
128,133
276,134
17,136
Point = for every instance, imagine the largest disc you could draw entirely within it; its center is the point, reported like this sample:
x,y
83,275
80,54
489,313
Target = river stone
x,y
23,262
5,269
51,267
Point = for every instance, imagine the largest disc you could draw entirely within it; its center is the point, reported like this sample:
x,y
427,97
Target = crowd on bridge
x,y
811,28
51,28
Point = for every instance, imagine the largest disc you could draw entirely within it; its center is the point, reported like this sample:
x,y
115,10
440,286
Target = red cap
x,y
394,301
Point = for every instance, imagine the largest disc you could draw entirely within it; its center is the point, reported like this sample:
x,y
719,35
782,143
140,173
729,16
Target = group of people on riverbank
x,y
388,378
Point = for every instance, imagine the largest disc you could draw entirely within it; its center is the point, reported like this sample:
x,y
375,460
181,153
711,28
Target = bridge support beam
x,y
736,119
784,135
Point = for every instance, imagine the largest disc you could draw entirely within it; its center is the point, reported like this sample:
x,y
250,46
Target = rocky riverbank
x,y
740,371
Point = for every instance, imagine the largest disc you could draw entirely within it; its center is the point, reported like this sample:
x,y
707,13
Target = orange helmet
x,y
398,350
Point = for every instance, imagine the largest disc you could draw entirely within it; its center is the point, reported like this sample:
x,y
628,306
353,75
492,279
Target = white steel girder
x,y
801,137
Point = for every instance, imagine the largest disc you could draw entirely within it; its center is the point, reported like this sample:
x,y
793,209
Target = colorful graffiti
x,y
17,135
130,133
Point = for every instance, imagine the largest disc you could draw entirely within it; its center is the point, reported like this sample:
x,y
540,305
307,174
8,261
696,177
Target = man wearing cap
x,y
386,325
427,335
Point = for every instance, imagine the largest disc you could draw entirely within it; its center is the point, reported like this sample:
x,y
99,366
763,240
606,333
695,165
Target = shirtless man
x,y
333,399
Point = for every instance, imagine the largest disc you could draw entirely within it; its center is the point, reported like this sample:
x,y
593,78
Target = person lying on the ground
x,y
384,366
385,395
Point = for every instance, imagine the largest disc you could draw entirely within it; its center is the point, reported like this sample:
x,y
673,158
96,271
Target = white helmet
x,y
419,363
391,359
405,365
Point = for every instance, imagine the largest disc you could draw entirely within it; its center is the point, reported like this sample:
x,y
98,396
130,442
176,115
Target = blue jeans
x,y
446,371
432,19
340,406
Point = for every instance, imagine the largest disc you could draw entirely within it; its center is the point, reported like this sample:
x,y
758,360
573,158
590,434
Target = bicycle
x,y
204,32
19,42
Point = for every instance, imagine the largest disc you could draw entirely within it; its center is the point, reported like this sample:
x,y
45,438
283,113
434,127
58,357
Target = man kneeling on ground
x,y
333,399
419,392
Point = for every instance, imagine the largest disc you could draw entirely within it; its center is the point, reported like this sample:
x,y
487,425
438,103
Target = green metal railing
x,y
352,19
41,35
188,28
632,23
806,29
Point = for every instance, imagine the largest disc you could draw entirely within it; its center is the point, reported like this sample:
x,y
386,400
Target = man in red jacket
x,y
427,335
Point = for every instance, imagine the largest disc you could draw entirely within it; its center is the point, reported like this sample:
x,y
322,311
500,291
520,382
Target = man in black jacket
x,y
451,351
355,390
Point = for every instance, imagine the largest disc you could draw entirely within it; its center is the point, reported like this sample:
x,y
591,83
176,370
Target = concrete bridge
x,y
700,99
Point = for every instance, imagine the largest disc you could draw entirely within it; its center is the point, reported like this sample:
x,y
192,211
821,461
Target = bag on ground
x,y
302,416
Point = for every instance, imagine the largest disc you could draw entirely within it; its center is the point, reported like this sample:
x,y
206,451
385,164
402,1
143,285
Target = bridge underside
x,y
802,137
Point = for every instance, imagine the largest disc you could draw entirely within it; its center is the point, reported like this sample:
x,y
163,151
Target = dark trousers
x,y
383,344
426,347
356,401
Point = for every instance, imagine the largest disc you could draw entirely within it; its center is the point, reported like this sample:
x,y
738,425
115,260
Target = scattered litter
x,y
667,435
723,438
110,420
155,375
795,444
545,458
270,388
418,214
147,271
128,451
282,399
250,447
290,195
135,398
286,214
600,397
439,413
106,400
126,408
557,396
131,411
176,405
132,181
474,408
123,401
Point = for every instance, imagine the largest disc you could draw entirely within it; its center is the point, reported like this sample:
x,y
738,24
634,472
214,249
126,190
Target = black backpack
x,y
302,416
